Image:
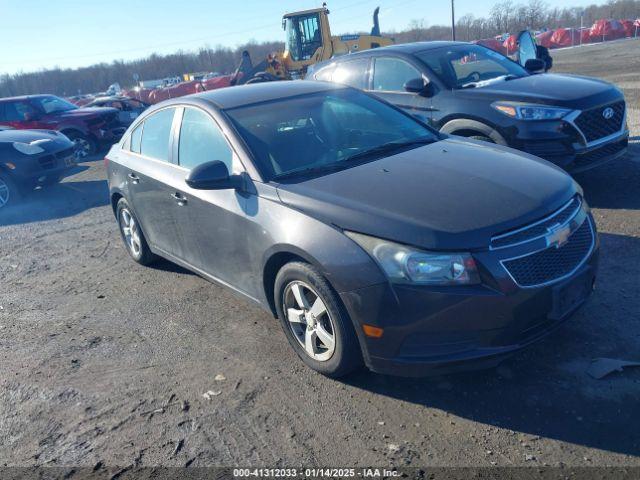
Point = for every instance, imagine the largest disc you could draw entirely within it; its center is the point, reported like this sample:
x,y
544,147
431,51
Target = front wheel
x,y
9,192
315,322
84,145
132,234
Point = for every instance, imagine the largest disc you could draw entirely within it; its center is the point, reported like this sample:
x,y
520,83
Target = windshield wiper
x,y
489,81
355,158
331,167
386,148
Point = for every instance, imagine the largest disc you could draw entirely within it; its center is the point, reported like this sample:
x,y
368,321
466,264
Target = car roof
x,y
242,95
406,48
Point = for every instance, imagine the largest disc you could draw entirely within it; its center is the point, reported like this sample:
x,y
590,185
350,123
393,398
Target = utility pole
x,y
453,21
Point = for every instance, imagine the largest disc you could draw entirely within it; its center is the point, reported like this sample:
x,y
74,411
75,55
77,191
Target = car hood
x,y
569,91
48,140
450,195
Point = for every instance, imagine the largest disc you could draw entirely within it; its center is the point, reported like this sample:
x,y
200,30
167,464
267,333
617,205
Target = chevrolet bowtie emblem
x,y
558,235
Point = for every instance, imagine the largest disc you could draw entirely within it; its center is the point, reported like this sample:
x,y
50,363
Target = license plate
x,y
569,296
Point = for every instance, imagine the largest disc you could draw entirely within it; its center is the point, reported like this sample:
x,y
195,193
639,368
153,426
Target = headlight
x,y
27,148
403,264
530,112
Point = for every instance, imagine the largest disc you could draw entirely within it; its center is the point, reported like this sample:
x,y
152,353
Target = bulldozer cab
x,y
307,35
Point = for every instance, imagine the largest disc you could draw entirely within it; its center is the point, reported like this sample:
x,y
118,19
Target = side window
x,y
201,141
325,73
156,135
15,111
390,74
352,73
136,138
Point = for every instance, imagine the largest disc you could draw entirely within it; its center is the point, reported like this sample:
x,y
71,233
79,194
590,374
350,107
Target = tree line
x,y
505,16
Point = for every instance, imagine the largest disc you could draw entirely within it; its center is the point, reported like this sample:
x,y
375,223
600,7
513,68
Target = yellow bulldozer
x,y
308,41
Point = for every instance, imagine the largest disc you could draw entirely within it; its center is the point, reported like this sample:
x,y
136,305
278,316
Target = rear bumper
x,y
430,331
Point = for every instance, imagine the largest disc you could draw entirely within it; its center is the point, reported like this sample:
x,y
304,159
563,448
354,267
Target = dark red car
x,y
88,128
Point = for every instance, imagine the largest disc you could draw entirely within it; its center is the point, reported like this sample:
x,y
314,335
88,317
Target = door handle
x,y
134,179
179,198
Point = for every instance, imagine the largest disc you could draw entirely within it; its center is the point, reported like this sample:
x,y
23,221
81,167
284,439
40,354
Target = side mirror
x,y
212,176
535,65
416,85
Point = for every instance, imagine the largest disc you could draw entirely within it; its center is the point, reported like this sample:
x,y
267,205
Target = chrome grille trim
x,y
531,225
576,113
563,277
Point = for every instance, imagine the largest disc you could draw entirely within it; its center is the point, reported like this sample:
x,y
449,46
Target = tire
x,y
308,333
85,146
10,194
482,138
132,235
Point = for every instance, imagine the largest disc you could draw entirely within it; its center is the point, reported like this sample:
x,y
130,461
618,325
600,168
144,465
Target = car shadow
x,y
614,185
545,390
165,265
57,201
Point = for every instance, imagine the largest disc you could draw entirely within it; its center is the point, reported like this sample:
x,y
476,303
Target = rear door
x,y
152,180
389,74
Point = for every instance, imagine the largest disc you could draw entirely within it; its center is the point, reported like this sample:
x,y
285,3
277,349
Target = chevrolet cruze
x,y
370,236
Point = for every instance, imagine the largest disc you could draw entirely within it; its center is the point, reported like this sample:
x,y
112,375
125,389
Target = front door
x,y
216,227
389,76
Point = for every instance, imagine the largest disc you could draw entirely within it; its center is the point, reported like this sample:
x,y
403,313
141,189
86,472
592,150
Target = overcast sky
x,y
37,34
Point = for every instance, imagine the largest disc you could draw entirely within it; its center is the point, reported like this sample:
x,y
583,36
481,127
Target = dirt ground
x,y
104,363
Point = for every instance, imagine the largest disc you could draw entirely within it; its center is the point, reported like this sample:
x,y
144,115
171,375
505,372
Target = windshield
x,y
470,66
54,104
303,36
324,131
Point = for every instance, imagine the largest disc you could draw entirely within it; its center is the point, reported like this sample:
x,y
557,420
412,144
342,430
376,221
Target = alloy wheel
x,y
309,320
82,147
4,193
131,232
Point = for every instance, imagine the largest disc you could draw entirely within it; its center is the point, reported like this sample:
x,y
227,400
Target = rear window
x,y
156,135
136,138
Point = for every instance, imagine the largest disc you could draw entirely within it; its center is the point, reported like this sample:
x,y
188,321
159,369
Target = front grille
x,y
552,263
47,162
538,229
594,156
593,124
546,149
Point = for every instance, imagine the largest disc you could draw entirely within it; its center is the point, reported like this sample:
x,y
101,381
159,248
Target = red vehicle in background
x,y
88,128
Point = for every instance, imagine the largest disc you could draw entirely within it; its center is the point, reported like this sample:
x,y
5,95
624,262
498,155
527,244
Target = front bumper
x,y
563,143
434,330
31,171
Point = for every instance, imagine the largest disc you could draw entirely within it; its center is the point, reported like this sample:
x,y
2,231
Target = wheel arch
x,y
469,127
274,261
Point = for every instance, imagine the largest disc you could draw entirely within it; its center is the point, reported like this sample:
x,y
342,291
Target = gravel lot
x,y
105,361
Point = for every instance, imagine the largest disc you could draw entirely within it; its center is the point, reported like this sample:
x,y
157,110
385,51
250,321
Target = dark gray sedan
x,y
370,236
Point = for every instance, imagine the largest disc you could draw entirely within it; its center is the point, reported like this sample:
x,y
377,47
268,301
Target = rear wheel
x,y
132,235
84,145
314,321
9,192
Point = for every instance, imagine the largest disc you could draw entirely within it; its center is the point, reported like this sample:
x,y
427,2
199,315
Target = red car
x,y
88,128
